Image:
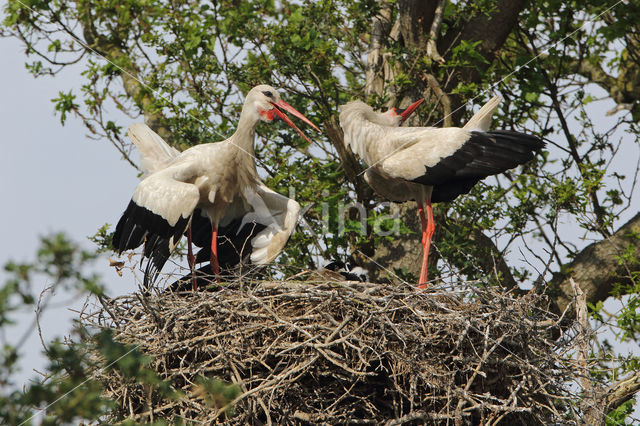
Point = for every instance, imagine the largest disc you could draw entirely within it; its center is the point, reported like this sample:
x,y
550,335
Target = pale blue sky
x,y
54,179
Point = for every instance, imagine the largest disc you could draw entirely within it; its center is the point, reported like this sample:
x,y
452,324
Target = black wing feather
x,y
234,246
484,154
234,242
139,224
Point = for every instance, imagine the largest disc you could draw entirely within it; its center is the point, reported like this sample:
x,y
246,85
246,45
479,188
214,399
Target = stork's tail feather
x,y
481,120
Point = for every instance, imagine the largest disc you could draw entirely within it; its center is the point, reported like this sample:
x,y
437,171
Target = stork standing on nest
x,y
428,164
213,186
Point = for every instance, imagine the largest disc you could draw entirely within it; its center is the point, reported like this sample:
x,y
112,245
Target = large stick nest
x,y
337,353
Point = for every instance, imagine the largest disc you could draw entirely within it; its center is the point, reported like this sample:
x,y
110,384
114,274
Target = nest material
x,y
342,353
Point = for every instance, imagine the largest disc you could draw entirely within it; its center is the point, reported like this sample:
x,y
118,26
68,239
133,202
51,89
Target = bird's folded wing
x,y
420,148
468,156
155,153
158,213
278,214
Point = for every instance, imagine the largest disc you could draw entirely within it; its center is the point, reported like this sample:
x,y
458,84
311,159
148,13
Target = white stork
x,y
213,188
429,164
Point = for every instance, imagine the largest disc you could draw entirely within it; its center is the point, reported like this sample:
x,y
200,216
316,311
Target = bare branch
x,y
622,391
593,414
599,266
374,82
434,33
443,98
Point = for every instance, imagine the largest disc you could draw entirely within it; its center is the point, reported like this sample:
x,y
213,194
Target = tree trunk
x,y
600,266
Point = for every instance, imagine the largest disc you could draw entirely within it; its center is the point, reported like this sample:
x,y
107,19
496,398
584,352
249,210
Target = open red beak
x,y
405,113
285,106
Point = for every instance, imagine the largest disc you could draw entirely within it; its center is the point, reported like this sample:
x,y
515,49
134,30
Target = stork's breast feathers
x,y
393,189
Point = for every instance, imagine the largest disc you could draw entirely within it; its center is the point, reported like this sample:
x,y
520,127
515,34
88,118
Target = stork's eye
x,y
268,94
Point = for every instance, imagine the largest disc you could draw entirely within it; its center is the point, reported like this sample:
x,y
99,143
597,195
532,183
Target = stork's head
x,y
402,114
358,109
268,106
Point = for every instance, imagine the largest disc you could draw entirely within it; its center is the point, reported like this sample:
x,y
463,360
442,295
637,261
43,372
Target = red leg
x,y
214,253
191,259
428,227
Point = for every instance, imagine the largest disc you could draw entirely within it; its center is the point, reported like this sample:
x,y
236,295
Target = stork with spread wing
x,y
212,193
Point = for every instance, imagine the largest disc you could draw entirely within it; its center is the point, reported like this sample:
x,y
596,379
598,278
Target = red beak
x,y
285,106
405,113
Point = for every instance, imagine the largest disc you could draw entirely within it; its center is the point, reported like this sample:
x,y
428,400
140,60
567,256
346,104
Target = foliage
x,y
67,392
167,53
64,392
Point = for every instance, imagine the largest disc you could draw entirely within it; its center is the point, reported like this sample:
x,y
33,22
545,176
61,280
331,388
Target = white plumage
x,y
429,164
213,187
155,153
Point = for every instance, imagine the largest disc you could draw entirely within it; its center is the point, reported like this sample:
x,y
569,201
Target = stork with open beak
x,y
213,187
429,164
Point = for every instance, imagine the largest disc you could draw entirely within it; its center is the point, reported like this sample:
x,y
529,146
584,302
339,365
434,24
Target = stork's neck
x,y
244,136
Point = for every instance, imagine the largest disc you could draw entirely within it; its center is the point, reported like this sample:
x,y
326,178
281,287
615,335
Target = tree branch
x,y
624,89
572,142
493,260
443,98
593,414
599,267
415,18
622,391
133,86
434,33
491,31
494,29
374,81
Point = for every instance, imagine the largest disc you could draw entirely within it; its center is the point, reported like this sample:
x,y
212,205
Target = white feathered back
x,y
155,153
